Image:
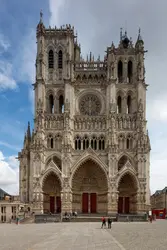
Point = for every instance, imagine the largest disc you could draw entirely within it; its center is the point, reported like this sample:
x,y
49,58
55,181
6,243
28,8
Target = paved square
x,y
77,236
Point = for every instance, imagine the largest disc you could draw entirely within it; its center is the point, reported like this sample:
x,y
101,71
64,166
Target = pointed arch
x,y
49,171
60,59
128,157
120,71
51,59
85,158
130,71
128,172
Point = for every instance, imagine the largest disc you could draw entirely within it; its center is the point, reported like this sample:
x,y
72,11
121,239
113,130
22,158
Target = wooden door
x,y
58,204
52,204
126,205
120,205
85,202
93,202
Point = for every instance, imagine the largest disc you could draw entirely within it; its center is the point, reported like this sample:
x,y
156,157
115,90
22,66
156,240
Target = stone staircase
x,y
27,220
131,217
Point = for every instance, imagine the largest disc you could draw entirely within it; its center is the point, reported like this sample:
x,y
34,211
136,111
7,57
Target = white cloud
x,y
26,58
157,108
9,174
55,7
4,43
6,79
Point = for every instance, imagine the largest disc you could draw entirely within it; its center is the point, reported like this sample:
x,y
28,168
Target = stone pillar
x,y
66,196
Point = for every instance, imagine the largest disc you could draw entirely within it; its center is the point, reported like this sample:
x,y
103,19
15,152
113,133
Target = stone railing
x,y
54,122
91,66
90,123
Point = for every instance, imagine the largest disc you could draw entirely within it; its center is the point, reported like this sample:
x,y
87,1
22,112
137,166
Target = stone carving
x,y
90,105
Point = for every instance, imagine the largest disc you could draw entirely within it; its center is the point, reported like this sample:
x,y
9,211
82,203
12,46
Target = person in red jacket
x,y
103,222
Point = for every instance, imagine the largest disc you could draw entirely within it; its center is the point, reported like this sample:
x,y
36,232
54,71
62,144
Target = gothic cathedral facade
x,y
89,151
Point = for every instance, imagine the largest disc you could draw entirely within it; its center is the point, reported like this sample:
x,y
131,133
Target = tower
x,y
89,150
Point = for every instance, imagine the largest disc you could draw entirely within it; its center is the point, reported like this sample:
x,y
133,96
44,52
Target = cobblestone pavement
x,y
77,236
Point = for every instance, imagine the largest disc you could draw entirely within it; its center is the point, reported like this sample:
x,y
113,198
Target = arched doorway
x,y
51,194
127,188
89,187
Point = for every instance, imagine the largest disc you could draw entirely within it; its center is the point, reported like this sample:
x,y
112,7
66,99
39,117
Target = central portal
x,y
89,203
89,187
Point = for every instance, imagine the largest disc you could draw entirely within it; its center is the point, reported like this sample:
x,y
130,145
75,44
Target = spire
x,y
40,26
139,36
120,34
41,16
139,42
28,131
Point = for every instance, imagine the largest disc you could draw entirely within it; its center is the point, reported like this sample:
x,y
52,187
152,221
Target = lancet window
x,y
51,59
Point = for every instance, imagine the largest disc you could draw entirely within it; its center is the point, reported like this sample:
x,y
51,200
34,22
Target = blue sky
x,y
98,24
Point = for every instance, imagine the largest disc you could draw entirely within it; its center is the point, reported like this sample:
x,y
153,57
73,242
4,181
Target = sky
x,y
97,23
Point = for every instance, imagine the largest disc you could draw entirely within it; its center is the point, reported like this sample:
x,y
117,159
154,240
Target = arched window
x,y
60,59
130,71
51,142
78,143
121,142
129,104
61,104
119,105
50,59
101,143
85,143
51,104
120,71
127,143
122,161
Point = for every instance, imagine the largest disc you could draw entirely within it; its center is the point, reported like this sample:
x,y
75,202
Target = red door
x,y
126,206
93,199
120,205
52,204
85,203
58,204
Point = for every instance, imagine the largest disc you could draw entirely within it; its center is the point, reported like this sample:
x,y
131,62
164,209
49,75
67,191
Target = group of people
x,y
109,221
68,216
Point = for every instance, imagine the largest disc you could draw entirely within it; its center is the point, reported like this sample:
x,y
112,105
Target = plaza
x,y
76,236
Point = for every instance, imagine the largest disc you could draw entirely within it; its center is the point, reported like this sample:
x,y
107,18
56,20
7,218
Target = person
x,y
109,222
103,222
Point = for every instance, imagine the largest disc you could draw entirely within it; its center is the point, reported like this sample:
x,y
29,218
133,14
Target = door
x,y
52,204
93,202
126,206
85,202
120,205
58,204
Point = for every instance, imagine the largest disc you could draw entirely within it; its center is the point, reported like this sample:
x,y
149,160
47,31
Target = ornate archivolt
x,y
51,170
132,173
88,155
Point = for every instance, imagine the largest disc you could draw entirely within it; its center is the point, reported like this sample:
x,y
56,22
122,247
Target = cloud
x,y
9,174
4,44
157,109
55,7
6,78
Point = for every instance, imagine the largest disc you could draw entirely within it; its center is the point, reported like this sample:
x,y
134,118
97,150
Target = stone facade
x,y
89,150
159,199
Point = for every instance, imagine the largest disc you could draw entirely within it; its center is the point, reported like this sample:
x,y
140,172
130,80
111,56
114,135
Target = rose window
x,y
90,105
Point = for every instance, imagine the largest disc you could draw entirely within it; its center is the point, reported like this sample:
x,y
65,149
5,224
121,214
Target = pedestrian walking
x,y
103,222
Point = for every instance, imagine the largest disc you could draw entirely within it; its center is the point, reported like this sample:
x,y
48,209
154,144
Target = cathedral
x,y
89,151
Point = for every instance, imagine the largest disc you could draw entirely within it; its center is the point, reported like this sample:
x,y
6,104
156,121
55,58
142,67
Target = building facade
x,y
89,150
159,199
